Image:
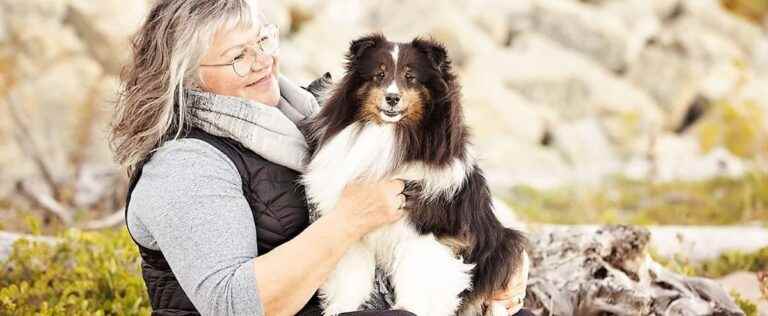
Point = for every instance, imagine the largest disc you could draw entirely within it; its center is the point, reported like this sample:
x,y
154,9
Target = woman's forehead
x,y
232,36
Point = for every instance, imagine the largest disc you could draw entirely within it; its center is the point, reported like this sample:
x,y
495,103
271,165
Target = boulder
x,y
574,87
105,27
675,157
587,150
612,34
447,23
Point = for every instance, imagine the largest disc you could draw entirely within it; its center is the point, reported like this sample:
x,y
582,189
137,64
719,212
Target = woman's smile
x,y
263,81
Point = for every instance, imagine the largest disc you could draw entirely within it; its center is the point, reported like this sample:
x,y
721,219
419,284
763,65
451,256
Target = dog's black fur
x,y
436,135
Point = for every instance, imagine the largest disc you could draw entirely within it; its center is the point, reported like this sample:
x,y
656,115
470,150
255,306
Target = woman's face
x,y
259,84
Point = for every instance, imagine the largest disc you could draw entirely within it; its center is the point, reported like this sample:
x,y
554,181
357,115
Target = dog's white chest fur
x,y
368,152
426,275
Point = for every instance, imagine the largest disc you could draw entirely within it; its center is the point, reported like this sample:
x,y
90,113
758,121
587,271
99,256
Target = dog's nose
x,y
392,98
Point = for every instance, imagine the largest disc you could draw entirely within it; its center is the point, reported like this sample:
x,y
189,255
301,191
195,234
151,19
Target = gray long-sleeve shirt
x,y
190,198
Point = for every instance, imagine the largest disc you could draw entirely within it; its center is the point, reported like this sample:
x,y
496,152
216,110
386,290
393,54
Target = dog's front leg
x,y
428,277
351,283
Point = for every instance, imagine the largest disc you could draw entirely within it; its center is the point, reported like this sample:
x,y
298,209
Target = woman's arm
x,y
289,275
190,201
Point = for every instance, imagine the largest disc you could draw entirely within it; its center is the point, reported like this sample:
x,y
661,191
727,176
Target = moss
x,y
739,127
88,273
719,201
748,307
732,261
727,263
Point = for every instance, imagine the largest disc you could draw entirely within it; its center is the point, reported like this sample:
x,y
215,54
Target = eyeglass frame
x,y
258,50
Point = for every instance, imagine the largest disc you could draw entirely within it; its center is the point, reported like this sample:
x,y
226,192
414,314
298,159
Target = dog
x,y
396,113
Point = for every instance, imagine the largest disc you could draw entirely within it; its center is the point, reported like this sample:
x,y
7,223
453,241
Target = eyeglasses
x,y
268,44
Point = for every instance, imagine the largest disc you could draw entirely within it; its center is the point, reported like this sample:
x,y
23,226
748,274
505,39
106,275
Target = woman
x,y
207,128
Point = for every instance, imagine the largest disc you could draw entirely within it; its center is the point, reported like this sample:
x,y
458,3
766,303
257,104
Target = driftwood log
x,y
577,272
609,272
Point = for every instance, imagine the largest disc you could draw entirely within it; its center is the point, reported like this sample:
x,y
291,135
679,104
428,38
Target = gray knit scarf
x,y
270,131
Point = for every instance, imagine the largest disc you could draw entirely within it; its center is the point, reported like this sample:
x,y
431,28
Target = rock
x,y
587,150
710,15
66,110
754,90
611,34
106,26
669,78
493,111
699,53
674,157
760,55
692,243
508,163
702,243
574,88
39,42
39,9
324,40
277,13
3,30
501,20
609,271
446,23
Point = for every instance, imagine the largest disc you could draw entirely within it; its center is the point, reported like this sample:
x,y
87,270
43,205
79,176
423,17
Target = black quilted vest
x,y
279,210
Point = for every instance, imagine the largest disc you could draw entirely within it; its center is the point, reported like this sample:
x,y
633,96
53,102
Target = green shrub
x,y
748,307
717,201
737,126
87,273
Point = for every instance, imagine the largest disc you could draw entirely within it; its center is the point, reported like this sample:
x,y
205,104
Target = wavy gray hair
x,y
167,50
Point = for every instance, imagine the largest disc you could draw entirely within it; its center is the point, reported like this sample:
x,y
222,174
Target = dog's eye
x,y
410,77
380,76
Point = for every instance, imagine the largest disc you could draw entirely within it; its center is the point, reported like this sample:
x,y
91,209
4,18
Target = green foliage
x,y
719,201
728,262
731,261
749,308
739,127
87,273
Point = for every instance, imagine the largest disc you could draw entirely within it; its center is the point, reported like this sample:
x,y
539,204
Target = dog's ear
x,y
358,46
434,50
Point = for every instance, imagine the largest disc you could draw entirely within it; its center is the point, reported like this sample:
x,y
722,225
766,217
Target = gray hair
x,y
167,50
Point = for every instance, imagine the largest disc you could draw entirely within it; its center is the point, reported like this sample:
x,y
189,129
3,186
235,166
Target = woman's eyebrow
x,y
260,37
231,48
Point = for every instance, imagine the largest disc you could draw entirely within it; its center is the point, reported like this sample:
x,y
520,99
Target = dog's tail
x,y
501,259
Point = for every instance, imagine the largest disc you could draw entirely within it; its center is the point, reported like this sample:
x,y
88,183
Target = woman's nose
x,y
262,61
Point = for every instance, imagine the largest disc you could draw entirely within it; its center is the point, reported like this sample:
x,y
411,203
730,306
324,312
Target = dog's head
x,y
397,82
409,85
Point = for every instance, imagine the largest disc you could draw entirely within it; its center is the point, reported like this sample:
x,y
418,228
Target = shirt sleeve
x,y
190,199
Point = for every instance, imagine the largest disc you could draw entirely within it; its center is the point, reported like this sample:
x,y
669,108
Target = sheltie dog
x,y
397,114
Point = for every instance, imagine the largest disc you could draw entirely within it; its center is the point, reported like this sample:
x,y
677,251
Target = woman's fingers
x,y
511,310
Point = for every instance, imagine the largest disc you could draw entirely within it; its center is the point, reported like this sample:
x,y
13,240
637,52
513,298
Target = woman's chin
x,y
267,93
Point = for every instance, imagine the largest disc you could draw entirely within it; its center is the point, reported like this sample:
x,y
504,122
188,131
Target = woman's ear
x,y
358,47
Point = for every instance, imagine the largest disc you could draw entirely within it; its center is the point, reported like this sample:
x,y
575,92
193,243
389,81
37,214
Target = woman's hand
x,y
366,206
512,298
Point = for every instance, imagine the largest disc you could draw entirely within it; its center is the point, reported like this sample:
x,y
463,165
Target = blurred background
x,y
642,112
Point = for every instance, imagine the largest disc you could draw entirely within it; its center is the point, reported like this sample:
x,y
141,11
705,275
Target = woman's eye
x,y
239,57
